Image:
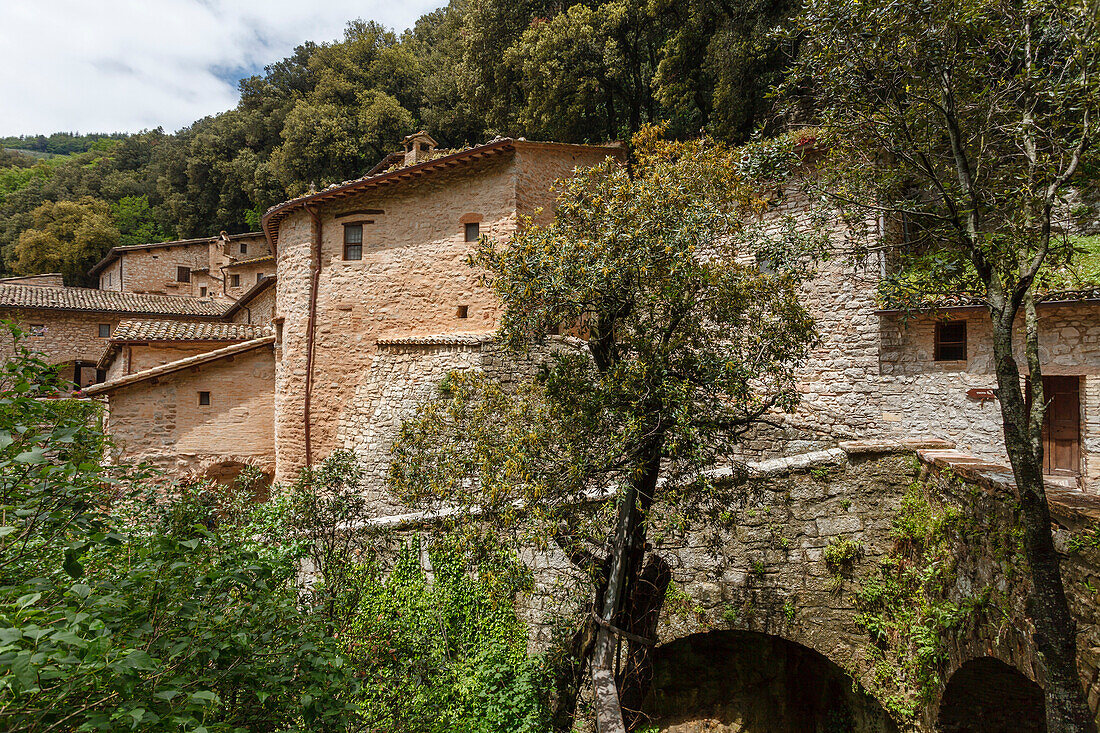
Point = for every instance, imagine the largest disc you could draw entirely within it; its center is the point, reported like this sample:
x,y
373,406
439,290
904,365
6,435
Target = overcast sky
x,y
128,65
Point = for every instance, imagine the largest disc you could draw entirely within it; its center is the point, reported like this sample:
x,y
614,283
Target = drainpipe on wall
x,y
882,245
315,277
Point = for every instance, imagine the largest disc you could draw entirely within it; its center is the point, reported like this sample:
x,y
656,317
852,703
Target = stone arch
x,y
751,682
985,695
226,471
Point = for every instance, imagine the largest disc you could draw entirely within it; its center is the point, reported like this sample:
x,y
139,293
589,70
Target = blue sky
x,y
128,65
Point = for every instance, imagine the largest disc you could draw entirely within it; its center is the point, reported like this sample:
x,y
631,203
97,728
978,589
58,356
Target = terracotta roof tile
x,y
933,302
105,301
251,261
143,330
443,339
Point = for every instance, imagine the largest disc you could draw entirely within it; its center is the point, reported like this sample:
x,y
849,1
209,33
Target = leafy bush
x,y
119,613
445,650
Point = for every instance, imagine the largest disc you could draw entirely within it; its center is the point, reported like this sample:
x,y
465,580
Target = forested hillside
x,y
582,72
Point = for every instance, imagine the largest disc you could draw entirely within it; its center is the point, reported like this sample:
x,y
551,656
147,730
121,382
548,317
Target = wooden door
x,y
1062,426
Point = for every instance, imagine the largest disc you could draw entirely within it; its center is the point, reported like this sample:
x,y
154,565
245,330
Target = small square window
x,y
183,274
38,329
105,330
473,231
463,311
234,281
353,241
204,398
202,292
259,276
950,341
244,248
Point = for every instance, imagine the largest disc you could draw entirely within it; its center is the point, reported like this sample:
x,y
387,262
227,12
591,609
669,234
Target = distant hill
x,y
32,153
60,143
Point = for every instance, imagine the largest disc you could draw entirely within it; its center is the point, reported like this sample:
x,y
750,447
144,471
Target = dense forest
x,y
578,72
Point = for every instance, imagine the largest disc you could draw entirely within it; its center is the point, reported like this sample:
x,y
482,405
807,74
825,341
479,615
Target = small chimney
x,y
418,147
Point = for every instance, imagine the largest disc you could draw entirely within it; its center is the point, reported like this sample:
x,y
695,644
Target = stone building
x,y
384,258
221,267
71,326
374,302
138,345
878,373
208,414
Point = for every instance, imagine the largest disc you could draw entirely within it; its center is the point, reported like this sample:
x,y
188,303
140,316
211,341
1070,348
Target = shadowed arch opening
x,y
748,682
986,695
227,472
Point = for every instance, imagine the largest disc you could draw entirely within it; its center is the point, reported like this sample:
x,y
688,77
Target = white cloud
x,y
127,65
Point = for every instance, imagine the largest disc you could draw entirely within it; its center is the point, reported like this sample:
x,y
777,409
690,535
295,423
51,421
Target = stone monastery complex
x,y
323,331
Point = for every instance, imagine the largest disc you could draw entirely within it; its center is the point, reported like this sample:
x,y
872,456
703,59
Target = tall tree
x,y
972,118
66,237
683,351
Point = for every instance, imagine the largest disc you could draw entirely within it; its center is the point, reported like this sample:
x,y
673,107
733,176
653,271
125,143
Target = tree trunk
x,y
640,617
1055,630
628,539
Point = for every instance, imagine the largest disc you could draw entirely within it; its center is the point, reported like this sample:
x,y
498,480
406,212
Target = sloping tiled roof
x,y
336,191
251,261
442,339
180,364
973,300
144,330
105,301
249,295
114,252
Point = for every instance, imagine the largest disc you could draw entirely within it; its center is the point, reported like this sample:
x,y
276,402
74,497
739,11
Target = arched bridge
x,y
896,565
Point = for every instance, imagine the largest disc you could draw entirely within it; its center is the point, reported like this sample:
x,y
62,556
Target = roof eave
x,y
179,365
278,211
248,296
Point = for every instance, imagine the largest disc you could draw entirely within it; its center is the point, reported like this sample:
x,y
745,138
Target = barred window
x,y
353,241
951,341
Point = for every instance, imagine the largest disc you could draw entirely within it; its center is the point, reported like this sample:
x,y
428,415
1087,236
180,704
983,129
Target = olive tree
x,y
679,345
971,119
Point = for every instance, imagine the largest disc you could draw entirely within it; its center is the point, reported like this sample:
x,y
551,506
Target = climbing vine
x,y
905,605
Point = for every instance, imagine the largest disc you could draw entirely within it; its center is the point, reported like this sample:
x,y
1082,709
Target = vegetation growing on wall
x,y
909,607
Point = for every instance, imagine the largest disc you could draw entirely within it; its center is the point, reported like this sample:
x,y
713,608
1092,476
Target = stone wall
x,y
413,280
160,421
248,274
139,357
66,336
153,270
921,396
403,374
873,373
260,310
752,570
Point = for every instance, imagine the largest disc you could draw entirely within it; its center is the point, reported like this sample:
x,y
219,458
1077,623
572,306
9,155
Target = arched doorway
x,y
747,682
986,695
